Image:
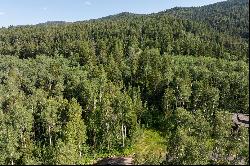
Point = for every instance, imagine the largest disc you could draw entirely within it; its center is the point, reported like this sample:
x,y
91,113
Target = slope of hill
x,y
170,35
120,16
159,86
230,16
53,23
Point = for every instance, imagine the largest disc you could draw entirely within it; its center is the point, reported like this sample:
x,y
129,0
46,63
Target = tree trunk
x,y
24,142
122,136
50,139
12,162
94,138
94,104
125,132
100,95
21,137
108,134
177,98
80,152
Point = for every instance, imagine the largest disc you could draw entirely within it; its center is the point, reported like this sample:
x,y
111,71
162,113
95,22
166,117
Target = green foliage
x,y
150,148
73,93
223,16
189,142
197,140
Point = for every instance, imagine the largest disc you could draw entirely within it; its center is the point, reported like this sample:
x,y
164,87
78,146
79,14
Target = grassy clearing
x,y
149,148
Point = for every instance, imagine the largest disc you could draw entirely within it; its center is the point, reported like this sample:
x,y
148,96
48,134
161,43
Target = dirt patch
x,y
241,119
115,161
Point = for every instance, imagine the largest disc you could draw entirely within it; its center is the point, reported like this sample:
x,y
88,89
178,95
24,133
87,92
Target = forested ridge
x,y
230,16
160,86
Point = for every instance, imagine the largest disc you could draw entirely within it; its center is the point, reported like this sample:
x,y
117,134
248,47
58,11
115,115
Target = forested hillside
x,y
74,92
230,16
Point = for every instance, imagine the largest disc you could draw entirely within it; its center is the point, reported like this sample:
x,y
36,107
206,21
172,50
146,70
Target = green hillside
x,y
159,87
230,16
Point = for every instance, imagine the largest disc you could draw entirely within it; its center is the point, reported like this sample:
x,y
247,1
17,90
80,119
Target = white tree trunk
x,y
24,142
125,131
21,135
107,131
12,162
123,138
50,139
80,152
94,103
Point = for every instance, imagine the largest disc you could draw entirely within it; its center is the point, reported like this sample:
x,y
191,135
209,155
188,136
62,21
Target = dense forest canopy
x,y
230,16
73,92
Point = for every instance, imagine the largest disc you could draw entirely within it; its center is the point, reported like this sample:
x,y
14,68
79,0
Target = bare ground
x,y
115,161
